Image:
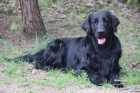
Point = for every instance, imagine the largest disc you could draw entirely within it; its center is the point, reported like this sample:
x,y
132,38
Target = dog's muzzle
x,y
101,37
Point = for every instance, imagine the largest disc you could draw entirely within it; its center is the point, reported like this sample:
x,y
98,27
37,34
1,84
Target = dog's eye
x,y
95,21
106,20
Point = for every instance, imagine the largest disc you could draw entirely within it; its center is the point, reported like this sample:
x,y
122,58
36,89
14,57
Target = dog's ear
x,y
86,25
115,23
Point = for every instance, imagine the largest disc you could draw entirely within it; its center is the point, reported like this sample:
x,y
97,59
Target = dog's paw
x,y
97,80
47,68
118,84
38,66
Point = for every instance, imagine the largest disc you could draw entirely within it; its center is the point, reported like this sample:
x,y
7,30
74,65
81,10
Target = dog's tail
x,y
27,58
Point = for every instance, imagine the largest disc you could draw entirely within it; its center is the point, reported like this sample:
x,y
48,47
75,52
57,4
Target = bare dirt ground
x,y
19,40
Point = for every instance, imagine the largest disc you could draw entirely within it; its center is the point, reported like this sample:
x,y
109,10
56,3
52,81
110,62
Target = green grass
x,y
70,91
50,20
6,81
14,69
107,85
59,79
45,4
138,42
40,44
83,9
129,74
37,81
30,91
132,78
15,26
21,80
73,18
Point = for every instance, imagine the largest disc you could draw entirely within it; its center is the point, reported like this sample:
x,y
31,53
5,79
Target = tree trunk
x,y
31,17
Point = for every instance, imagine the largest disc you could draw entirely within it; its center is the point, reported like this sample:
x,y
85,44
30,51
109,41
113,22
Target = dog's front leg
x,y
95,78
81,68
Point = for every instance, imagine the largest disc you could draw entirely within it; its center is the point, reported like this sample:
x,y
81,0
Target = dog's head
x,y
101,24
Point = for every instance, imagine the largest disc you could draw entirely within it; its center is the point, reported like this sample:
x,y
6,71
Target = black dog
x,y
97,54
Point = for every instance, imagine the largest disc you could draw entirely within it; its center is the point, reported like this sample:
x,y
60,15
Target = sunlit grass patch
x,y
132,78
13,69
107,85
59,79
30,91
5,81
69,90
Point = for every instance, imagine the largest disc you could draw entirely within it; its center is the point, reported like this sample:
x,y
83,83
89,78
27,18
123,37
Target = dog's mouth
x,y
101,41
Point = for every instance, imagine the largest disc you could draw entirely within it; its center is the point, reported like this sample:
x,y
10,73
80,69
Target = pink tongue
x,y
101,41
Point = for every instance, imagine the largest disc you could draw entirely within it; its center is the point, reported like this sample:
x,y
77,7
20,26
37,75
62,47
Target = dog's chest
x,y
100,60
103,55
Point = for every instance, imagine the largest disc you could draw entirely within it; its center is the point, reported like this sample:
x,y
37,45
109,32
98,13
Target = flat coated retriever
x,y
97,53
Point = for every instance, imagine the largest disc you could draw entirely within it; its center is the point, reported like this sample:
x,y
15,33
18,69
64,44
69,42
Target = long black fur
x,y
99,61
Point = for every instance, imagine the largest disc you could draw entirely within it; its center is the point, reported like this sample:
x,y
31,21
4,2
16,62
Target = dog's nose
x,y
101,31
